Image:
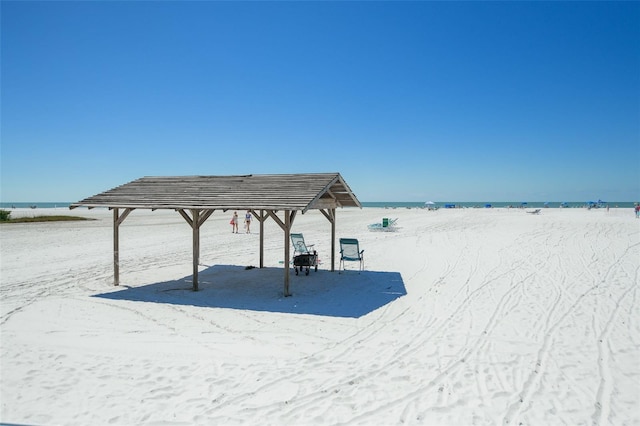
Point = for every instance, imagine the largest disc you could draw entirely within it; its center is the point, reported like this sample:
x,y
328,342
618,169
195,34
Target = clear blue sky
x,y
409,101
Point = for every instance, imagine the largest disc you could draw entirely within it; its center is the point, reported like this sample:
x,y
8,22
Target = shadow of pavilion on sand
x,y
348,294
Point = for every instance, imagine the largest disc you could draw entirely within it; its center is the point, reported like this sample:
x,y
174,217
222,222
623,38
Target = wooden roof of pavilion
x,y
269,192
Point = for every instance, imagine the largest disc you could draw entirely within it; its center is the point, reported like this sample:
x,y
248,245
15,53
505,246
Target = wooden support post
x,y
261,219
333,239
116,248
262,216
287,232
117,220
195,214
330,214
195,221
289,216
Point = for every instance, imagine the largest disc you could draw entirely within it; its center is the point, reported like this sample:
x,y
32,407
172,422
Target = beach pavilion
x,y
195,198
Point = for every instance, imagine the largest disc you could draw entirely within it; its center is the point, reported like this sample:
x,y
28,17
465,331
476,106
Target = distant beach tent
x,y
429,203
596,204
197,197
488,206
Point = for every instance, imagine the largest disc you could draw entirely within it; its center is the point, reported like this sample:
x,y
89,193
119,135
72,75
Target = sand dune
x,y
472,316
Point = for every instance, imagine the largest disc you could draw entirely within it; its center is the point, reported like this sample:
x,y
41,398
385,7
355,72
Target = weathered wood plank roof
x,y
269,192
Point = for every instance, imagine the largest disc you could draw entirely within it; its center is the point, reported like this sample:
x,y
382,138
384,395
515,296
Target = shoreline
x,y
60,209
397,205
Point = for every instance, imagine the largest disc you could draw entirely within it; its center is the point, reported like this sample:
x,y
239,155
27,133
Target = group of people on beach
x,y
235,222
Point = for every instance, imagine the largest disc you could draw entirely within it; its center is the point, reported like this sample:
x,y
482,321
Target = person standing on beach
x,y
637,209
247,221
234,223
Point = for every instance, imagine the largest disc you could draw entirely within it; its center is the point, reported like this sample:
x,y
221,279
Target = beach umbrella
x,y
429,203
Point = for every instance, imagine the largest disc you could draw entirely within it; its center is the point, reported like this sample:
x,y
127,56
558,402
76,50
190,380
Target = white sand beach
x,y
462,317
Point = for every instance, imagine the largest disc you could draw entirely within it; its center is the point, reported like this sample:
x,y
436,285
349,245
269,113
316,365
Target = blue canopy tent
x,y
596,204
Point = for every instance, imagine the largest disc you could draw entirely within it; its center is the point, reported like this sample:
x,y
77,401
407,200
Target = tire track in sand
x,y
532,383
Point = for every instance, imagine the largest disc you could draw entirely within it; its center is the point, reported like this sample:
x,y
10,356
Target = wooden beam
x,y
186,217
324,203
327,214
288,214
206,215
275,217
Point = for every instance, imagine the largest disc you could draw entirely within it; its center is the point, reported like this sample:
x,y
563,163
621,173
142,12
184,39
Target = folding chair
x,y
303,255
350,252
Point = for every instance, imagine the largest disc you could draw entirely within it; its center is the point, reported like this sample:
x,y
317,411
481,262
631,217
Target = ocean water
x,y
34,204
391,205
498,204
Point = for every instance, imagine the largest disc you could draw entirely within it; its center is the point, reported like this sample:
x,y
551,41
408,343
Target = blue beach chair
x,y
350,252
387,225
